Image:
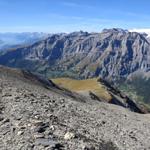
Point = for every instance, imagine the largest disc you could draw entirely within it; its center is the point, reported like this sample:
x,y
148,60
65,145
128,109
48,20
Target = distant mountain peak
x,y
115,30
113,53
11,40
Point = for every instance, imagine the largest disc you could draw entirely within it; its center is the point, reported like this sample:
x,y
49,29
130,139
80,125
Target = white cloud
x,y
75,5
147,31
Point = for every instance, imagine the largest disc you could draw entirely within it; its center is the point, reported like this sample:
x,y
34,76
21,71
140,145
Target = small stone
x,y
58,146
49,115
88,148
37,122
39,129
20,132
22,127
52,128
62,101
7,95
6,120
39,135
29,124
18,118
1,118
69,135
45,142
17,124
103,122
36,117
17,97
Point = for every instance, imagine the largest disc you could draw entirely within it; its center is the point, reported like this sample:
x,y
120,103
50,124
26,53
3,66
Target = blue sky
x,y
73,15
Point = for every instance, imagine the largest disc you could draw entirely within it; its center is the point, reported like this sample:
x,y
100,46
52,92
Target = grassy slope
x,y
138,88
83,86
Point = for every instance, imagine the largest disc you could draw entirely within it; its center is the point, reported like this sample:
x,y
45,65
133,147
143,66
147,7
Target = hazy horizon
x,y
147,31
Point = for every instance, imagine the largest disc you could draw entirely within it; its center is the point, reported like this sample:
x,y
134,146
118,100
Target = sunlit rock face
x,y
113,53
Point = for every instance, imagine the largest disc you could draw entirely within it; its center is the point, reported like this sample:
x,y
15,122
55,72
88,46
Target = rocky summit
x,y
36,114
113,53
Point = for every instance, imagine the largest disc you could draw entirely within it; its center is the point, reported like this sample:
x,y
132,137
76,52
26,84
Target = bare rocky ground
x,y
35,115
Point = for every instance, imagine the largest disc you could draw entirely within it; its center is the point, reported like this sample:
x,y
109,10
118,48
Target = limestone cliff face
x,y
113,53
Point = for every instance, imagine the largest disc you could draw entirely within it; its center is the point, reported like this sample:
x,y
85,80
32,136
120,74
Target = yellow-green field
x,y
83,86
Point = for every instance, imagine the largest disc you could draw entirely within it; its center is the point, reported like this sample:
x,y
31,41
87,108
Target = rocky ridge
x,y
112,54
36,115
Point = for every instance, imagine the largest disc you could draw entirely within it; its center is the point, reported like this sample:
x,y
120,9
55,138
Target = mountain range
x,y
110,54
116,55
10,40
86,91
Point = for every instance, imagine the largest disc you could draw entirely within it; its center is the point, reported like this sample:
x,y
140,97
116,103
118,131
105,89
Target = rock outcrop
x,y
121,99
